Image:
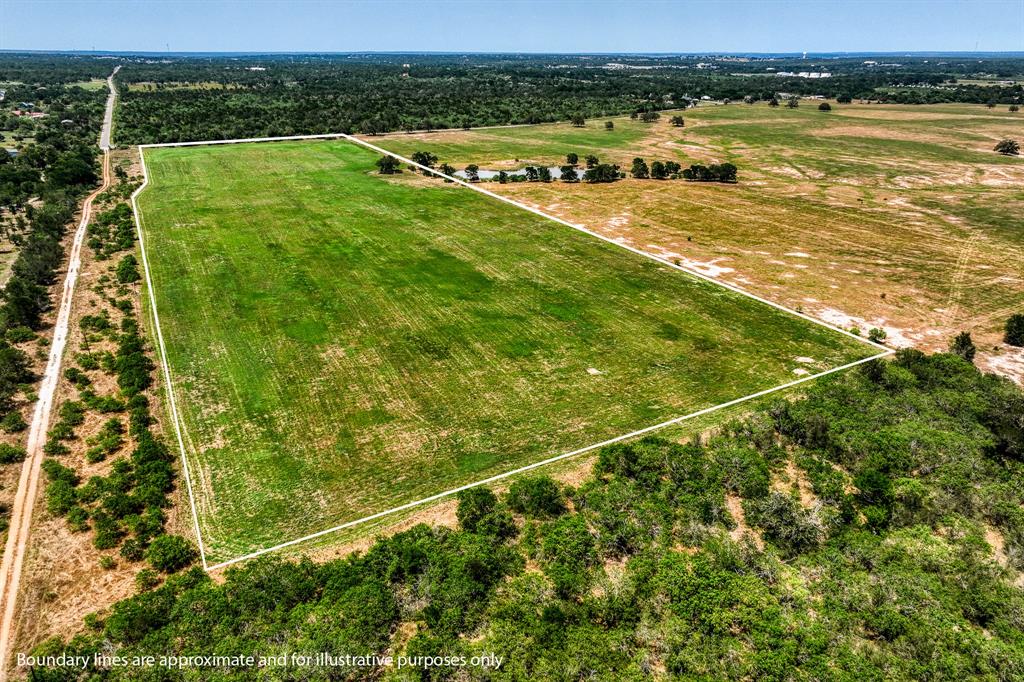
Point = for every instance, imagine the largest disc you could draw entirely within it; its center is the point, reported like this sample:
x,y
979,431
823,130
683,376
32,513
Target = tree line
x,y
55,171
309,94
674,561
595,171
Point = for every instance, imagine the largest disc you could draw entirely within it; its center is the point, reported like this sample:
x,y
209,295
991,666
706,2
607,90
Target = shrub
x,y
791,527
78,519
479,512
170,553
128,270
54,448
60,497
9,454
107,531
568,551
76,376
877,335
963,346
1015,330
1008,147
13,422
536,497
824,106
132,550
20,335
387,165
146,579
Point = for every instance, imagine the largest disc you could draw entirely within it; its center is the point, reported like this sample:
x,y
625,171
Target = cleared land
x,y
342,343
869,215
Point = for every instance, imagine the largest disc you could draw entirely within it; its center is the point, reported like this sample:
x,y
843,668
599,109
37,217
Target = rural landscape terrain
x,y
508,367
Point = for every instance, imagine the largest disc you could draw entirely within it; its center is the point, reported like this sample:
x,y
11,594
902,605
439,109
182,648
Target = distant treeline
x,y
213,98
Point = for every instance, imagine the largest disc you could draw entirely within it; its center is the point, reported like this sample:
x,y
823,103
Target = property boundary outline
x,y
172,403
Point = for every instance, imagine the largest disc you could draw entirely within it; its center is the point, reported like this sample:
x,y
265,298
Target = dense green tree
x,y
1008,147
170,553
425,159
639,169
387,165
128,270
536,497
723,172
567,553
963,346
602,172
480,512
1014,330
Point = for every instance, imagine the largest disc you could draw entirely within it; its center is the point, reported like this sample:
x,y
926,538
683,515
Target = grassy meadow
x,y
342,342
868,215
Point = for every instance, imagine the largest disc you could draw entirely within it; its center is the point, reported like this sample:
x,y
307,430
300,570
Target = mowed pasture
x,y
868,215
343,342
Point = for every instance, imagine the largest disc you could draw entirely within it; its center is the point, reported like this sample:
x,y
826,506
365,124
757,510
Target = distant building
x,y
11,152
804,74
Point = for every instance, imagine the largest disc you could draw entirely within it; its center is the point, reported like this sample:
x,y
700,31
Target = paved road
x,y
28,483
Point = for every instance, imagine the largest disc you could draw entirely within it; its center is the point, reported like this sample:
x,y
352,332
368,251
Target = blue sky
x,y
515,25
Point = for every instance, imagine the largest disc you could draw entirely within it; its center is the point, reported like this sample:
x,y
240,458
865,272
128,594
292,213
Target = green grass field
x,y
515,147
905,215
342,343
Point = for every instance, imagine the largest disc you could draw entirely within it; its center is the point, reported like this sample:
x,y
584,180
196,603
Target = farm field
x,y
900,217
343,342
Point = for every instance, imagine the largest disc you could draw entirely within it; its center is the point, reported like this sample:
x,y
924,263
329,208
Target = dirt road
x,y
28,483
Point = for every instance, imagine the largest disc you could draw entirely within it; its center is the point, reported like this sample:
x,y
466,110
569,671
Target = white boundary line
x,y
475,187
163,357
550,460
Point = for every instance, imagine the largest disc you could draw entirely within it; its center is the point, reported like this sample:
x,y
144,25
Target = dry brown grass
x,y
918,241
63,580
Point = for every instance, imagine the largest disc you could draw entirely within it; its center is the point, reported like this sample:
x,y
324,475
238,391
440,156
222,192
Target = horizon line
x,y
699,53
